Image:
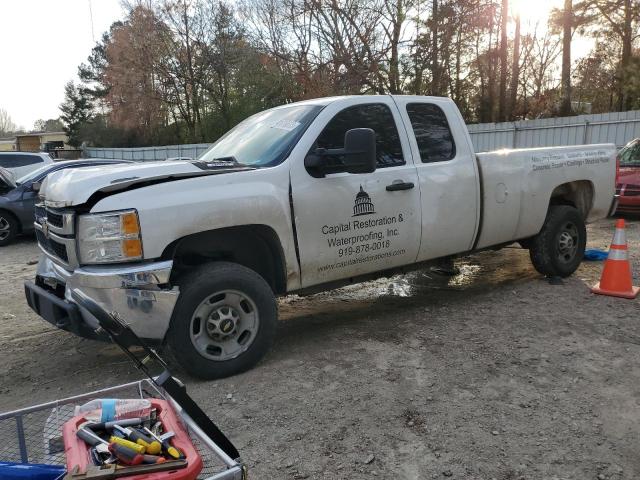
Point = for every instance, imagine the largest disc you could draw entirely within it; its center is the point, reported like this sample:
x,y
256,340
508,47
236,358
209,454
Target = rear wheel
x,y
8,228
224,321
559,247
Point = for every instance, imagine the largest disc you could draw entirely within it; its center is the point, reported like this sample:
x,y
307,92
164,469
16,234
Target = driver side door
x,y
352,224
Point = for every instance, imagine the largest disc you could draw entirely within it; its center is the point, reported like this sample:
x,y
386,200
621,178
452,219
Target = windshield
x,y
33,175
264,139
630,154
6,178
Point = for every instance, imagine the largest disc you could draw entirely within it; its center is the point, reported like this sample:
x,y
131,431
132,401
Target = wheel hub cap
x,y
4,228
224,325
568,243
222,322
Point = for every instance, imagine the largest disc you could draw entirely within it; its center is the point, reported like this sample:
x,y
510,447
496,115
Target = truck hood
x,y
72,187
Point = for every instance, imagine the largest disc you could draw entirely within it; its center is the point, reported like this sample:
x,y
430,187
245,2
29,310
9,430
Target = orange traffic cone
x,y
616,279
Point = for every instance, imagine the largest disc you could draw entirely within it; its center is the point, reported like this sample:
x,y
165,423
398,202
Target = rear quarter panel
x,y
517,186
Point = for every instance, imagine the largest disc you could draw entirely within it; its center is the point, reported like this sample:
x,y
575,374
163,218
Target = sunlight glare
x,y
534,12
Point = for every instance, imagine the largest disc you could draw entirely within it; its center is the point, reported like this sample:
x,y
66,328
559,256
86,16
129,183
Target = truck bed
x,y
518,185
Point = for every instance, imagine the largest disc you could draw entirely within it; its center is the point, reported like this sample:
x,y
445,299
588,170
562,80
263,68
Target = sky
x,y
43,42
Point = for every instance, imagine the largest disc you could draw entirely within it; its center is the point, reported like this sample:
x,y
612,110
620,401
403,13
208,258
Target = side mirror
x,y
35,186
360,150
357,156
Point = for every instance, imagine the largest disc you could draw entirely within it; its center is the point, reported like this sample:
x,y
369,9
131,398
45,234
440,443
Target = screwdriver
x,y
92,439
129,444
166,446
153,459
127,422
151,446
126,455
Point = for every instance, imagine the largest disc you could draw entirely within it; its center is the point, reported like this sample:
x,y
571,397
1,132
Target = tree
x,y
502,101
567,32
133,91
435,61
76,112
6,123
92,73
515,72
617,23
51,125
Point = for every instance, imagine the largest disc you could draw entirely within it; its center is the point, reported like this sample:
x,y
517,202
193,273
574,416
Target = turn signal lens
x,y
132,248
130,224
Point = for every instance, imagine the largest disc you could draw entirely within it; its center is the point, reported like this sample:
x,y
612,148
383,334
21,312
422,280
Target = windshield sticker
x,y
287,125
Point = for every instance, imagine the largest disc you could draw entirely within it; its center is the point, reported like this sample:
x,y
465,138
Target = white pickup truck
x,y
297,199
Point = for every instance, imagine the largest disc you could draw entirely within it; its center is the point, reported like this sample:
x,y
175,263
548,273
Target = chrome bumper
x,y
138,293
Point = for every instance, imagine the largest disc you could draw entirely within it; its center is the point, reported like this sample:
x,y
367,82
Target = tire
x,y
218,304
558,249
8,228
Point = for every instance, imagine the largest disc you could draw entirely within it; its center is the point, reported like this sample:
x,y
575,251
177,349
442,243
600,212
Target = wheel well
x,y
254,246
578,194
12,215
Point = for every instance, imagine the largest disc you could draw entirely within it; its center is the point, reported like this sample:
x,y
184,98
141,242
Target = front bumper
x,y
139,293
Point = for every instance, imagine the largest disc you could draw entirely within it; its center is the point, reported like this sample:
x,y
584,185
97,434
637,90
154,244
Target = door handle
x,y
399,185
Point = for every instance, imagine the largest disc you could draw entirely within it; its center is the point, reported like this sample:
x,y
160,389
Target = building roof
x,y
39,134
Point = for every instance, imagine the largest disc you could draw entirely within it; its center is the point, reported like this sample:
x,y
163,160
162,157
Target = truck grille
x,y
54,232
54,219
41,212
51,246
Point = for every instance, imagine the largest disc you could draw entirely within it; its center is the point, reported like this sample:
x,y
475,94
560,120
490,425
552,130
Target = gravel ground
x,y
494,373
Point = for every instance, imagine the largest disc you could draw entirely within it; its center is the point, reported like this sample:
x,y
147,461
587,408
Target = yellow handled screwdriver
x,y
173,452
151,446
126,443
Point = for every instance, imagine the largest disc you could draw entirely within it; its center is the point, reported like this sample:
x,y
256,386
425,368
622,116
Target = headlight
x,y
109,237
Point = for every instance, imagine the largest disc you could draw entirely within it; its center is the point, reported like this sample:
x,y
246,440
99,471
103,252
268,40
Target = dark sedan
x,y
19,196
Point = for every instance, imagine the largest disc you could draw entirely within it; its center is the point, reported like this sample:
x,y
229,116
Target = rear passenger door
x,y
352,224
447,174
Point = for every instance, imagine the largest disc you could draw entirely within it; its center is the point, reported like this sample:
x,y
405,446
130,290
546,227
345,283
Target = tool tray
x,y
77,450
34,434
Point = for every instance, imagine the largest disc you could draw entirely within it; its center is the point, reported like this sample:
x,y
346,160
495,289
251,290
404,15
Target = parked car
x,y
628,180
18,197
301,198
22,163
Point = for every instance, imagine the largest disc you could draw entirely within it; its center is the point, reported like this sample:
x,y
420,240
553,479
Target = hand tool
x,y
126,422
151,446
90,438
170,450
153,459
126,443
109,472
126,455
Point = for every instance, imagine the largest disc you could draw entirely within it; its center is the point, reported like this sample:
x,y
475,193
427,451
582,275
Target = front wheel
x,y
224,321
559,247
8,228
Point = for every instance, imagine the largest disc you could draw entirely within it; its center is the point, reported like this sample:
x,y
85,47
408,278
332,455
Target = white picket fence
x,y
616,127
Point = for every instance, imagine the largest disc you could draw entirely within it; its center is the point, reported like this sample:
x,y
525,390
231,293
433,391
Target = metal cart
x,y
34,434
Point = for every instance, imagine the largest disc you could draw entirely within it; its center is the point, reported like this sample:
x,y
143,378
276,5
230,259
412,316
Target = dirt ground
x,y
494,373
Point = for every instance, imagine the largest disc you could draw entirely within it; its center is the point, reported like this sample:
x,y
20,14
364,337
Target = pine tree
x,y
76,112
